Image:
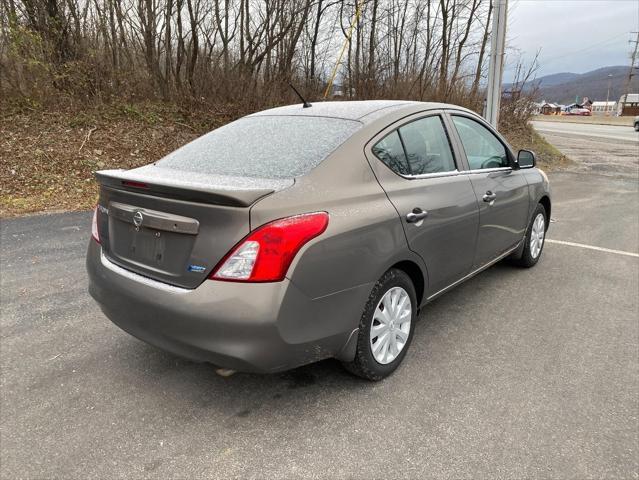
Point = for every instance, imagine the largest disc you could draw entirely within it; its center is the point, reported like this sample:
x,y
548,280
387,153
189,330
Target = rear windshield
x,y
263,146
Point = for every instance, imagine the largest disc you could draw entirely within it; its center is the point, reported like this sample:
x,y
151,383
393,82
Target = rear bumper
x,y
259,327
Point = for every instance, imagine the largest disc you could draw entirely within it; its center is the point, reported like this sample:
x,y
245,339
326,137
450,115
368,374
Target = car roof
x,y
365,111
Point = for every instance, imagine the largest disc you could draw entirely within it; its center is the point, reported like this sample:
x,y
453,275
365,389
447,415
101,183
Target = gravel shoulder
x,y
595,149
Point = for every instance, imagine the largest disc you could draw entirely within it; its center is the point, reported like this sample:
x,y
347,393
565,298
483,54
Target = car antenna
x,y
306,104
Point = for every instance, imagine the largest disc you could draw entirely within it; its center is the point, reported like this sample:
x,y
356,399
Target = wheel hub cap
x,y
391,325
537,235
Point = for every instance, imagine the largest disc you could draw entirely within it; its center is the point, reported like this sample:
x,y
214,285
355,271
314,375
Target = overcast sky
x,y
573,35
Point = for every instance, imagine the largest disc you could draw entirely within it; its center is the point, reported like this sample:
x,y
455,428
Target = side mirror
x,y
526,159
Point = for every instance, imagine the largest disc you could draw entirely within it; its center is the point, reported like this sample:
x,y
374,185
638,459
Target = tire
x,y
365,363
532,252
636,127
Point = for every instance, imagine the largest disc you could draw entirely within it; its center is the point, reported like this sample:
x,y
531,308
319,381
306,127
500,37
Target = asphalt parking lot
x,y
515,374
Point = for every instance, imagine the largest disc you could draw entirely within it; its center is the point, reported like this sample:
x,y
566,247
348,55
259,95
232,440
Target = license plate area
x,y
147,246
148,250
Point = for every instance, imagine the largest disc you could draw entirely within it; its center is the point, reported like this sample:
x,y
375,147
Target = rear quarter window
x,y
263,146
390,151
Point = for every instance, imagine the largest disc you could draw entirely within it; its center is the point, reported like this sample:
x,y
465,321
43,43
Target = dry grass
x,y
47,158
549,158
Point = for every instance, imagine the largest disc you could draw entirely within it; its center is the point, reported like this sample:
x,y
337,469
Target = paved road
x,y
608,132
515,374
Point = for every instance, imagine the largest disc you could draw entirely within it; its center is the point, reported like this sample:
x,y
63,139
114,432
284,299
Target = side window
x,y
427,146
390,151
483,149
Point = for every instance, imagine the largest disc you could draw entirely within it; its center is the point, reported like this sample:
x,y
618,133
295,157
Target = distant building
x,y
550,109
604,108
628,104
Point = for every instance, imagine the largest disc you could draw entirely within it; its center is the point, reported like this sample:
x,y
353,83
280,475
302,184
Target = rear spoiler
x,y
191,186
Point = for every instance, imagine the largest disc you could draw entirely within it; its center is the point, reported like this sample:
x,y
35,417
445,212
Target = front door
x,y
502,193
436,203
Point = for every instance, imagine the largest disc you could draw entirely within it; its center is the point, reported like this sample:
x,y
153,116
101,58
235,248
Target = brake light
x,y
94,226
131,183
266,254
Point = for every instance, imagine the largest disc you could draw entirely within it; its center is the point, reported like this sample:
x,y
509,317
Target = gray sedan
x,y
298,234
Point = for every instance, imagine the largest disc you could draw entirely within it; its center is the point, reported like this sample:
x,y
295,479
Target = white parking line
x,y
592,247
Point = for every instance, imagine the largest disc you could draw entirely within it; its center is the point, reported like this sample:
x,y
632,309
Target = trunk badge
x,y
196,268
137,219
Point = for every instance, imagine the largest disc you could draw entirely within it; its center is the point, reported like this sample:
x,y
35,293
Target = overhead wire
x,y
585,49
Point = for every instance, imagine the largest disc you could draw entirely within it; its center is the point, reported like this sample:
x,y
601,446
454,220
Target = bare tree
x,y
244,50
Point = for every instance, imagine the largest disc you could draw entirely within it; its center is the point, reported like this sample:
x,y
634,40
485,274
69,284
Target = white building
x,y
603,108
628,104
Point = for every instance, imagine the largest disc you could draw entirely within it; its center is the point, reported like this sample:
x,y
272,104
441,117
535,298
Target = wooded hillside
x,y
564,87
243,51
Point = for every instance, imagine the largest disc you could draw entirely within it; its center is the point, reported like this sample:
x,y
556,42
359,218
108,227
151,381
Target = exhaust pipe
x,y
224,372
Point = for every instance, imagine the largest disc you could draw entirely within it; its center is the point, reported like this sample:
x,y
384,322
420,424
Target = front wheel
x,y
386,327
534,240
636,127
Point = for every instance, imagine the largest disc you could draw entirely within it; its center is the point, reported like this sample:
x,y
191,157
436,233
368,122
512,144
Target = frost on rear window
x,y
263,147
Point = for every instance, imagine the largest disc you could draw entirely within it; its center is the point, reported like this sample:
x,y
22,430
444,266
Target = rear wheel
x,y
534,240
386,327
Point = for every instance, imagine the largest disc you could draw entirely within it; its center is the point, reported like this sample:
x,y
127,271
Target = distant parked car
x,y
298,234
637,123
583,112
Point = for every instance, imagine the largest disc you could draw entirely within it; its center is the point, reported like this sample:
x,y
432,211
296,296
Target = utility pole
x,y
632,63
495,69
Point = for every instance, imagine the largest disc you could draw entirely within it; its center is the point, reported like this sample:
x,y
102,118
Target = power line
x,y
585,49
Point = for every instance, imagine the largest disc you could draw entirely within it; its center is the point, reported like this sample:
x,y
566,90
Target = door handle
x,y
489,196
416,215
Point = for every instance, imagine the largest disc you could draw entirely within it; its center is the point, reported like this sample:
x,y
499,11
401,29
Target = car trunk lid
x,y
175,226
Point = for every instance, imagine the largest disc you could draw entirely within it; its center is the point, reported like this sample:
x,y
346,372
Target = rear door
x,y
502,193
414,163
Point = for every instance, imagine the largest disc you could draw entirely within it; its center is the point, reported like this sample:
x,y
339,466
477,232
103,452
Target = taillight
x,y
94,226
266,254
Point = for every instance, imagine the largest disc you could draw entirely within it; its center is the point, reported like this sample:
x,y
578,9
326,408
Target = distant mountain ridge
x,y
557,79
565,86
